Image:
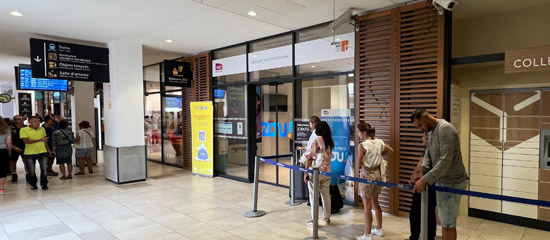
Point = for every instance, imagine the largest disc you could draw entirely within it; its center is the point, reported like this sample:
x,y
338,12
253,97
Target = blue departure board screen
x,y
173,102
26,82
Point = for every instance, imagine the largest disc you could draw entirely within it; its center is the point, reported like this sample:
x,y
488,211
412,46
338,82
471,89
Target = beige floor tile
x,y
173,215
41,232
501,229
99,234
194,229
170,236
533,234
126,224
145,232
182,206
490,236
64,236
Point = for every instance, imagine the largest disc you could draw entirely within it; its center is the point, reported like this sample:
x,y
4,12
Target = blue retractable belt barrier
x,y
280,156
411,187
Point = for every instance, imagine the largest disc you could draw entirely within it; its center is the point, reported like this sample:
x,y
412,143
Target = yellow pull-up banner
x,y
202,121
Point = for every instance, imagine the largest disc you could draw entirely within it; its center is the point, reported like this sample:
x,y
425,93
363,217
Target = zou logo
x,y
219,67
269,129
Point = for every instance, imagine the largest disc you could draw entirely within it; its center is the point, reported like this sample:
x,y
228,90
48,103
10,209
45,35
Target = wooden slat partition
x,y
390,85
373,82
199,91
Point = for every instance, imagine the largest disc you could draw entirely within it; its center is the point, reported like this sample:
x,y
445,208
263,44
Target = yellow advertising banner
x,y
202,121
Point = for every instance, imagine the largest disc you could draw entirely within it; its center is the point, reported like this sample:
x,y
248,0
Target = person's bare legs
x,y
367,203
377,211
81,164
69,169
13,167
90,164
62,170
449,233
2,183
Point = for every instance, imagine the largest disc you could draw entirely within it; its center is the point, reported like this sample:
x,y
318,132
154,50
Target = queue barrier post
x,y
293,201
255,212
424,214
315,203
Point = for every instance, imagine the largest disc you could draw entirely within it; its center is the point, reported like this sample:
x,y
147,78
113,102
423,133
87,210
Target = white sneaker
x,y
364,237
378,232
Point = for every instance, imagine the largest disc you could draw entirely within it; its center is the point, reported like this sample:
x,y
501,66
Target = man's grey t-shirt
x,y
443,160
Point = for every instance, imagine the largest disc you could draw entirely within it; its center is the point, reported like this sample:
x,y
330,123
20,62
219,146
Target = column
x,y
82,105
123,114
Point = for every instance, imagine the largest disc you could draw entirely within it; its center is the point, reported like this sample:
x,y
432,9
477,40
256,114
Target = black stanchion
x,y
255,212
424,214
315,204
293,201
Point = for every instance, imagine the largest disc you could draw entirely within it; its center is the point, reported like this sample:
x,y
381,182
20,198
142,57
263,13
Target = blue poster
x,y
338,121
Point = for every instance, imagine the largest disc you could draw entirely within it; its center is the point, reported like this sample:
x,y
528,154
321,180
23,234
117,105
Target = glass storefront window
x,y
331,99
271,58
153,127
319,50
230,60
230,131
172,129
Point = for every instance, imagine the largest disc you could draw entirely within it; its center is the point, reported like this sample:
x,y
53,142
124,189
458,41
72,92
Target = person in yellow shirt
x,y
36,149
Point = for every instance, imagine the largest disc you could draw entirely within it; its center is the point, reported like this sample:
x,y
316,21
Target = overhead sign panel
x,y
177,74
59,60
270,59
229,66
326,49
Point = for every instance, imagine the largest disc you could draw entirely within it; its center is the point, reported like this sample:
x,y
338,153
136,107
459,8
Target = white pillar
x,y
124,152
83,108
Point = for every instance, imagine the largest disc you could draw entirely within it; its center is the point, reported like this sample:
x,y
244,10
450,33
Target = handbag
x,y
319,157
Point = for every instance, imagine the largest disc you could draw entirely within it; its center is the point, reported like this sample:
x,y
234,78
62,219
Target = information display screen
x,y
173,102
26,82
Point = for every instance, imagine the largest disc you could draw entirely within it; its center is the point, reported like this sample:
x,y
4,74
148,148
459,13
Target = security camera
x,y
446,4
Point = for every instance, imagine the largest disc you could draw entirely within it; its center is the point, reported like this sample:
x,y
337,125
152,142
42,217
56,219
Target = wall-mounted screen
x,y
26,82
282,106
173,102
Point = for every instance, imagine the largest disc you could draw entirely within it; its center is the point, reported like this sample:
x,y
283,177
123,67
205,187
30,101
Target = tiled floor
x,y
177,205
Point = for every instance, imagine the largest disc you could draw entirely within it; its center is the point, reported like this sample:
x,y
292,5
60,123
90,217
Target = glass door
x,y
172,129
274,125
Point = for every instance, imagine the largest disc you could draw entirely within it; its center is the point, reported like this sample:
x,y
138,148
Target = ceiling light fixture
x,y
169,40
252,13
16,13
312,66
350,75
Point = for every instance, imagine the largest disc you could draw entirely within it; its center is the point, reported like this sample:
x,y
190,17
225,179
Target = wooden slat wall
x,y
399,64
199,91
373,82
420,78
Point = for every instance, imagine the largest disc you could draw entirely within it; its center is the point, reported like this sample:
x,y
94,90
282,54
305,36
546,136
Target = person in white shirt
x,y
313,120
83,147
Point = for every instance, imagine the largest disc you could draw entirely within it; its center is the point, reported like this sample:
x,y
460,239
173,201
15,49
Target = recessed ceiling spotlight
x,y
16,13
350,75
312,66
169,40
252,13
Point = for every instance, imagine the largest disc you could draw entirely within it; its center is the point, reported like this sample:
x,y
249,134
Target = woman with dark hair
x,y
61,142
372,167
323,144
5,153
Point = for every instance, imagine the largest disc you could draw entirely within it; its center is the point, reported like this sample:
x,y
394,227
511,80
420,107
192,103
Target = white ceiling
x,y
194,25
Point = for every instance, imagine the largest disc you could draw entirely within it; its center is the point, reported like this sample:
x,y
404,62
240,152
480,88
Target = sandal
x,y
63,178
79,173
70,177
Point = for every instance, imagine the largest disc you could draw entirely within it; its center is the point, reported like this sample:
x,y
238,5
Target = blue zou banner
x,y
338,121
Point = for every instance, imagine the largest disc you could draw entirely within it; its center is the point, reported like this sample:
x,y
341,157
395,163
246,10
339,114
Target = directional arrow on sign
x,y
37,59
